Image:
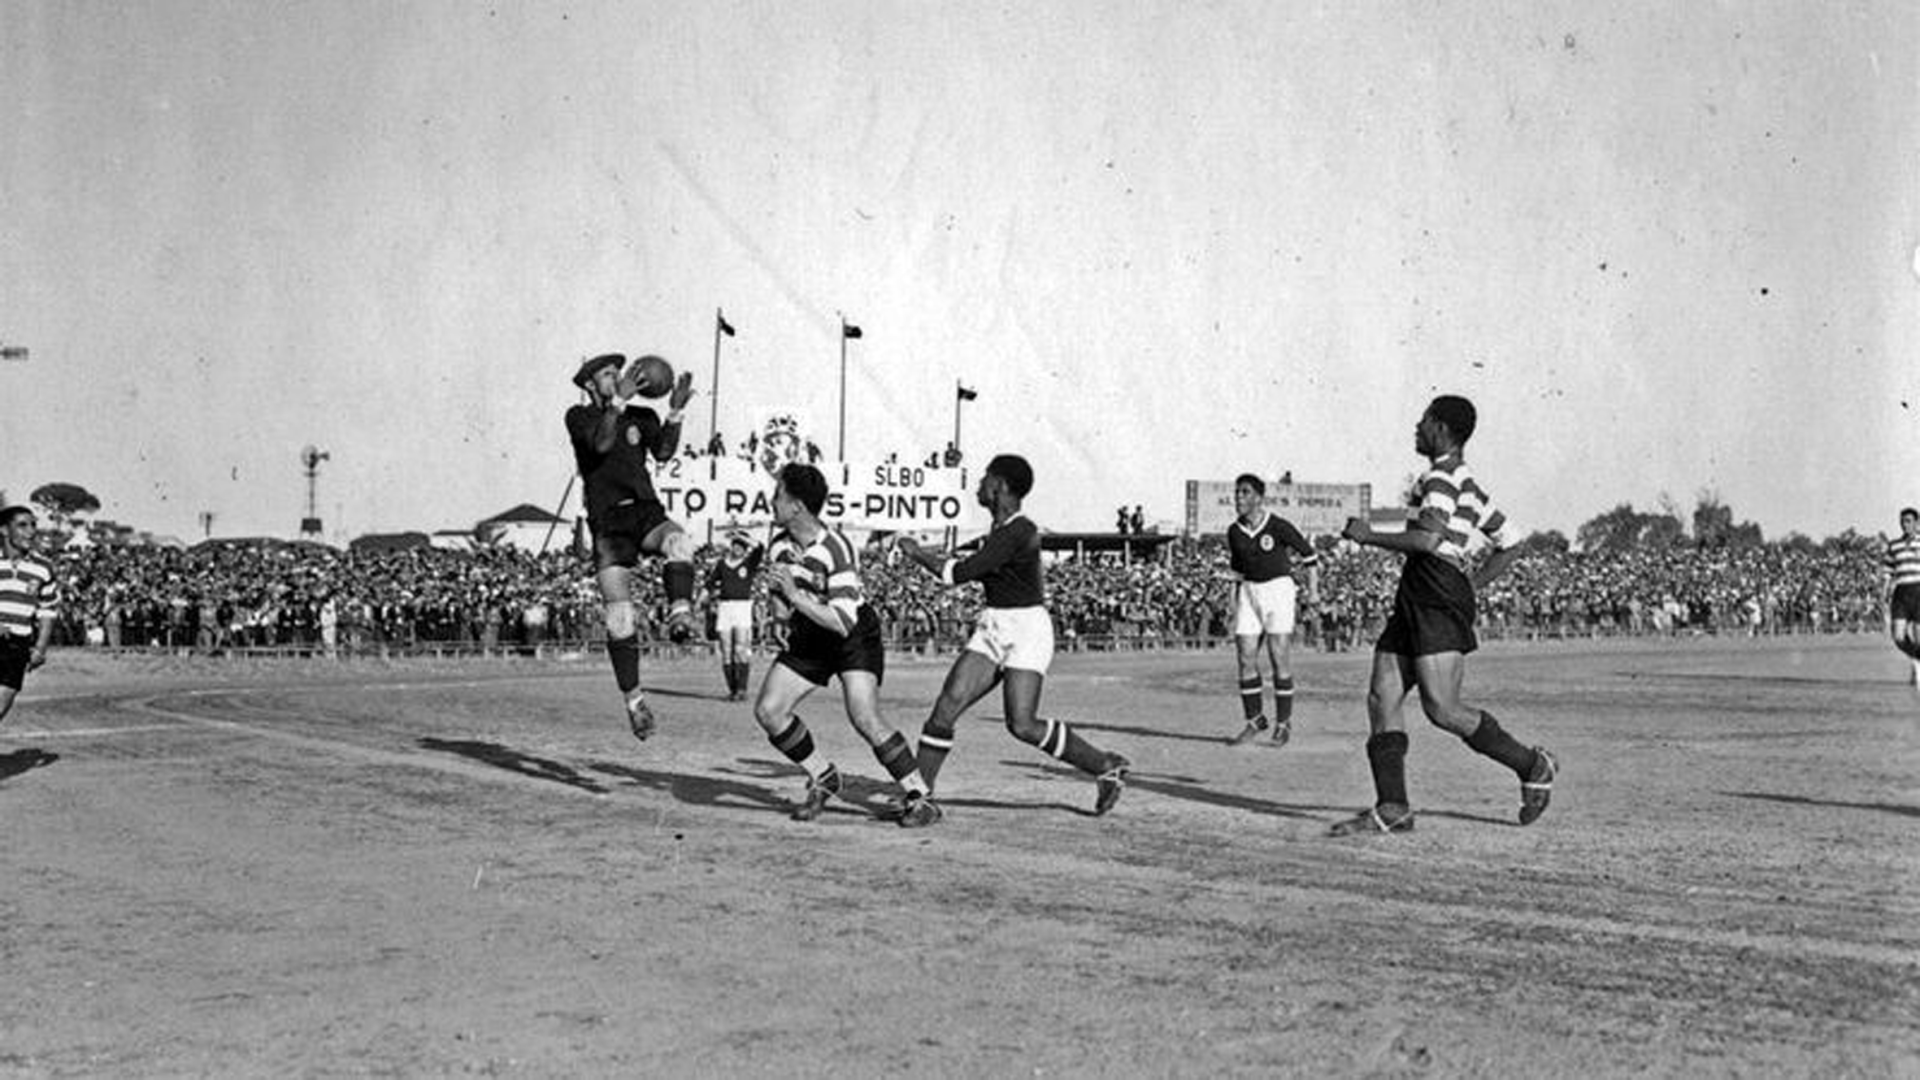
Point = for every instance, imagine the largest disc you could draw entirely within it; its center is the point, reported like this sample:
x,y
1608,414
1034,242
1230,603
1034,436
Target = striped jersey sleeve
x,y
28,593
1456,507
1903,560
830,571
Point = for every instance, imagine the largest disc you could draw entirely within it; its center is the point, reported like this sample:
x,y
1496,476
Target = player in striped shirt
x,y
1012,644
1903,589
833,632
29,600
1263,552
1430,632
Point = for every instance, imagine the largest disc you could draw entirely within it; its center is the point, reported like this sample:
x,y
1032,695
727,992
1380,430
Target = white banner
x,y
708,495
1313,508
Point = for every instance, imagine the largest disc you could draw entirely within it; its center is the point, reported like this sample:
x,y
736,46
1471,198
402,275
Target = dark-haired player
x,y
1430,632
29,601
832,632
730,583
1263,551
612,441
1013,641
1902,563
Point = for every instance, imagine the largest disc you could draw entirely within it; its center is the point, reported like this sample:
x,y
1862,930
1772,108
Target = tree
x,y
1551,542
1714,527
1663,531
63,501
1623,528
1616,530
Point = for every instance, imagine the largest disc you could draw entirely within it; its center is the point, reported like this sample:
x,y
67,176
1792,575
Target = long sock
x,y
897,758
678,578
1387,756
1282,699
625,655
727,672
746,675
796,742
1059,740
935,745
1493,741
1250,698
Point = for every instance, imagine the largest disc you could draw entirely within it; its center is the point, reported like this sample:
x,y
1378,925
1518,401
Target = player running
x,y
731,584
833,632
29,602
1264,551
1430,632
612,441
1013,641
1902,563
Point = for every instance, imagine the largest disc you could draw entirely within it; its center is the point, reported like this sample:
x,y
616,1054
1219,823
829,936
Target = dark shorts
x,y
13,663
1433,611
1905,603
817,654
620,530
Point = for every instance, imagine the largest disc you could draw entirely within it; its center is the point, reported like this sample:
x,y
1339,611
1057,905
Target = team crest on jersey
x,y
1266,542
633,435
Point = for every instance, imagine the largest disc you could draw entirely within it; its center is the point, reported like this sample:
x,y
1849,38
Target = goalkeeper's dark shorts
x,y
620,530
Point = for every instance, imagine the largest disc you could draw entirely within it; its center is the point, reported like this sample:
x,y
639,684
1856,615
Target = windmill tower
x,y
310,458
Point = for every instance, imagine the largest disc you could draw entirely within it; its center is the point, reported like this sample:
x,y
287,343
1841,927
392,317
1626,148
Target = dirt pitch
x,y
306,868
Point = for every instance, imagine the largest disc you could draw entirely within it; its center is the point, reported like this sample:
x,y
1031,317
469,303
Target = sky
x,y
1668,249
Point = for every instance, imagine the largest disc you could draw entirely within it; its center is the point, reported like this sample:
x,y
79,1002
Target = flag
x,y
848,330
721,321
963,393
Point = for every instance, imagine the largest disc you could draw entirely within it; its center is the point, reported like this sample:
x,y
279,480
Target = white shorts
x,y
1264,606
733,617
1019,638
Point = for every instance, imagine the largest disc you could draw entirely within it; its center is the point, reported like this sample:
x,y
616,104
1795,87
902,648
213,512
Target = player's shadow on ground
x,y
1150,733
1191,790
505,757
858,794
661,691
19,761
1801,800
695,789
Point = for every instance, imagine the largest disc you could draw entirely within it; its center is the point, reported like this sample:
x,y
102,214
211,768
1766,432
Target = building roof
x,y
525,513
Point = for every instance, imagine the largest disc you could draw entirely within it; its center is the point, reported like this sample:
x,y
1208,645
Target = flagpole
x,y
956,415
713,391
843,389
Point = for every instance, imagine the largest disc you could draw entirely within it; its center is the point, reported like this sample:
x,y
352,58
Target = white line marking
x,y
81,733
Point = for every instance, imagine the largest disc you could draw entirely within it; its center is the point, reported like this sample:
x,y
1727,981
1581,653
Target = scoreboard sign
x,y
1314,509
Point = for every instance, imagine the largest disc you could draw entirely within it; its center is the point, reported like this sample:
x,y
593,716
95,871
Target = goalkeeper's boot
x,y
680,623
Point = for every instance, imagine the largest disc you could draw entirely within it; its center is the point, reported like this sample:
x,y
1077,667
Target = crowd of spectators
x,y
229,596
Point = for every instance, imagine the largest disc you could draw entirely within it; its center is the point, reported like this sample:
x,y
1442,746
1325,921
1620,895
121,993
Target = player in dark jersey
x,y
1902,565
834,633
1013,641
1430,632
730,584
1263,552
612,442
